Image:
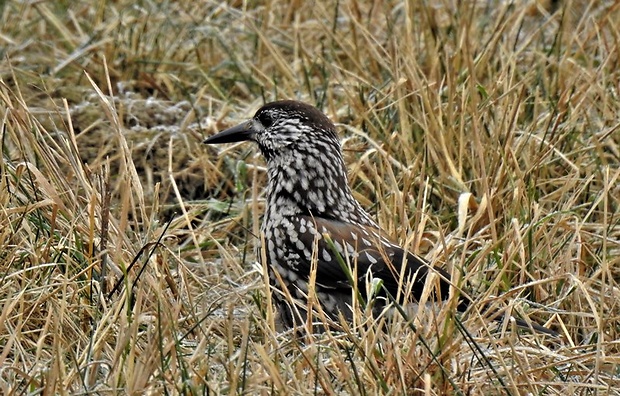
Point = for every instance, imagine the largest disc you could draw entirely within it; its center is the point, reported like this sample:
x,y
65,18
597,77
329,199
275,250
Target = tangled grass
x,y
483,136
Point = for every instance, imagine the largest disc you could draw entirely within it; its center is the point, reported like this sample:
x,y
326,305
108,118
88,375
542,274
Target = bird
x,y
316,235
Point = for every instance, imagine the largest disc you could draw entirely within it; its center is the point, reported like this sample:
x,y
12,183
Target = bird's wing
x,y
367,250
370,253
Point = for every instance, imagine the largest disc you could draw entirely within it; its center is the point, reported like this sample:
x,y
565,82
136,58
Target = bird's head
x,y
284,126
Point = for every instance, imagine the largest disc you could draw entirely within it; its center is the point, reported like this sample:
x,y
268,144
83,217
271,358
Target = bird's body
x,y
312,221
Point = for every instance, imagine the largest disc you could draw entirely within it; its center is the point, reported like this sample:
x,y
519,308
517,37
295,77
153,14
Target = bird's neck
x,y
313,186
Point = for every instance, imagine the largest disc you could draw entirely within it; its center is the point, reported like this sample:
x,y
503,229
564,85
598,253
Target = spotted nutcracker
x,y
312,217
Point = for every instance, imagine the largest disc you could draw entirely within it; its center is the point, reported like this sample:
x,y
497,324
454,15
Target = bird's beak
x,y
238,133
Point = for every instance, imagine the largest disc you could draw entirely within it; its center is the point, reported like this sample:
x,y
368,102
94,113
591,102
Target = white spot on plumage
x,y
300,245
292,235
288,185
304,184
326,255
312,196
350,248
330,200
370,258
292,276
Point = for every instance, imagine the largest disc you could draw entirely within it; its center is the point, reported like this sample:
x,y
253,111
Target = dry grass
x,y
484,136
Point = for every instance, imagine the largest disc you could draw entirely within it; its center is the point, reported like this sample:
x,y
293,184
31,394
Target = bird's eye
x,y
266,119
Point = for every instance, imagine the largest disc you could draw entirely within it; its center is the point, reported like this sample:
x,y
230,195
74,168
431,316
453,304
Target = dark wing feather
x,y
367,249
